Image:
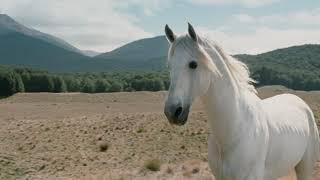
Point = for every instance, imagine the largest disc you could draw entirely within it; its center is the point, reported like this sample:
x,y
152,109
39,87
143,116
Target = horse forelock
x,y
184,42
192,50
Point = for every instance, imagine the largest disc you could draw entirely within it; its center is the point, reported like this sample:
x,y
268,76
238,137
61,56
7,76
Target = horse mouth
x,y
177,117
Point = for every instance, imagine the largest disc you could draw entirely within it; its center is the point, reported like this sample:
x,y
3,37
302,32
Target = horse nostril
x,y
178,112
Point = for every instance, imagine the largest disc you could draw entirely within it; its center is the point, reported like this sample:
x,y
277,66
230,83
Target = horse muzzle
x,y
177,114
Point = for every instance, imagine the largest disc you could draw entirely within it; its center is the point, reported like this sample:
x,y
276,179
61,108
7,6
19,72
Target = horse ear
x,y
170,35
192,32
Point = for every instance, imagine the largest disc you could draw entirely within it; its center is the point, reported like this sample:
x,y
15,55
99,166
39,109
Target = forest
x,y
17,79
13,80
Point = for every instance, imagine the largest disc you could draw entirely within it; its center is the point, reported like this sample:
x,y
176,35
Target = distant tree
x,y
166,83
115,87
19,86
25,76
265,75
297,81
59,84
39,82
102,85
87,86
158,85
137,84
7,84
73,84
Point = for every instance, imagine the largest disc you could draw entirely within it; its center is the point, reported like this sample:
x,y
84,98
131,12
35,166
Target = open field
x,y
106,136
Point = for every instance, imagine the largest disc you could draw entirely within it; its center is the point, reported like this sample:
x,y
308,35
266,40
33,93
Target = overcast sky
x,y
240,26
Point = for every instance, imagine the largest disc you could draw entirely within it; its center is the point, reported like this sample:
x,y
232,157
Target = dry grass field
x,y
106,136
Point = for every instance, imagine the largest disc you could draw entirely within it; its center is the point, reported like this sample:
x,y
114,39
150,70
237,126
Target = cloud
x,y
263,39
245,3
106,24
302,18
97,24
244,33
305,18
244,18
149,7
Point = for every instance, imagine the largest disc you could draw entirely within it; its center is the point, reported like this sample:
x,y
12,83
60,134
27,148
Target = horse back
x,y
287,112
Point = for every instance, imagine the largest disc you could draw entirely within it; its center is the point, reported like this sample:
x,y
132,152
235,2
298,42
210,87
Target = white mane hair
x,y
238,70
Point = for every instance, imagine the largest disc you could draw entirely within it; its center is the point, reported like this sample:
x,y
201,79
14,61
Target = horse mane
x,y
238,70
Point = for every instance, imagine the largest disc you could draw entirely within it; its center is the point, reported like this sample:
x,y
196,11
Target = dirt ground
x,y
106,136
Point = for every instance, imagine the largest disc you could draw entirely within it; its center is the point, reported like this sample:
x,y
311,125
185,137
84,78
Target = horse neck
x,y
225,103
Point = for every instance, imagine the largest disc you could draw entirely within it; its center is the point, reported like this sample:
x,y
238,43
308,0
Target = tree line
x,y
294,79
13,80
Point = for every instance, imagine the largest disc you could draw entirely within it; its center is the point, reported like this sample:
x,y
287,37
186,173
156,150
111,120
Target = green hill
x,y
297,67
297,58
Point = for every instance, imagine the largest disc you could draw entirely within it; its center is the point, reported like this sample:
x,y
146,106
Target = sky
x,y
240,26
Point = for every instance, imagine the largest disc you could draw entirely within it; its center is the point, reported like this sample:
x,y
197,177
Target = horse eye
x,y
193,65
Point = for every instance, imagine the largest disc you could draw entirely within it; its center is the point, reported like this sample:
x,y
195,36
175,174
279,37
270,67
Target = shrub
x,y
153,165
103,146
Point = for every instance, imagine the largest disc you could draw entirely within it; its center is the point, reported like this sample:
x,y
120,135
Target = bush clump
x,y
103,146
153,165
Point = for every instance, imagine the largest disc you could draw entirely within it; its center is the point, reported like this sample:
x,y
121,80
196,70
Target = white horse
x,y
250,138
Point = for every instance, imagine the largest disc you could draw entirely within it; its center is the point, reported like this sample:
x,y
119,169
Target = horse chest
x,y
236,162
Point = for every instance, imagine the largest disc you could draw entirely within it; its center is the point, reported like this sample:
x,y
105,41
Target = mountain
x,y
22,50
147,54
9,25
90,53
152,52
27,47
142,49
23,46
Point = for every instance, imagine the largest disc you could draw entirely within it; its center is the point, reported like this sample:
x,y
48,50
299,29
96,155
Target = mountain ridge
x,y
9,25
19,47
133,49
